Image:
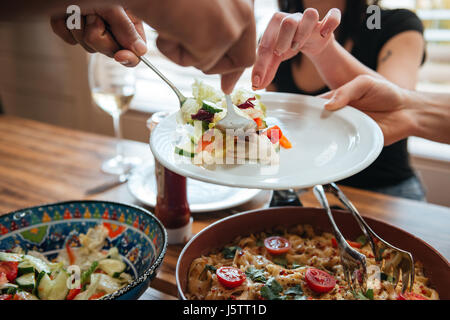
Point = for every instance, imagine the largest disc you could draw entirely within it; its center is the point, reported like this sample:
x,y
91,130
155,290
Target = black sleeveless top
x,y
392,166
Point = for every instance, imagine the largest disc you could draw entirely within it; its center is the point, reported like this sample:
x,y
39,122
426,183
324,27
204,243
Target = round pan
x,y
218,234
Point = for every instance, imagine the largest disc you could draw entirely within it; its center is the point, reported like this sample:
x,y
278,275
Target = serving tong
x,y
393,260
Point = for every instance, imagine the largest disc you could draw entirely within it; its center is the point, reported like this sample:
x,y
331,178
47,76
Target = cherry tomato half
x,y
319,281
277,245
230,277
9,268
411,296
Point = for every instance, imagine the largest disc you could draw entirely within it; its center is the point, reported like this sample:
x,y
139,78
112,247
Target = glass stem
x,y
118,134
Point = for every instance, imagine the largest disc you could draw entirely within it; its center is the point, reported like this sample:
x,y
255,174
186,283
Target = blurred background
x,y
44,79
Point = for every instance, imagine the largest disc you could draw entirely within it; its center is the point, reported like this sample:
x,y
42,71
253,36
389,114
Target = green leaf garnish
x,y
229,252
281,261
210,268
256,275
362,239
271,290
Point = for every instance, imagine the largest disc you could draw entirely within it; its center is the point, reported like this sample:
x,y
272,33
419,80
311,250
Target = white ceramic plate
x,y
327,146
202,197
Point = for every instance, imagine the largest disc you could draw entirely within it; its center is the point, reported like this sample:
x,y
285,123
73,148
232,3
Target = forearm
x,y
337,66
431,114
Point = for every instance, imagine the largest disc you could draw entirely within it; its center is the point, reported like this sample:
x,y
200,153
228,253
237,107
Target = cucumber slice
x,y
26,282
183,152
112,267
6,256
44,286
25,267
59,288
37,263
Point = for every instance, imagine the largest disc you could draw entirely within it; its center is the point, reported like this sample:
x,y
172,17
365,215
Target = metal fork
x,y
393,260
352,261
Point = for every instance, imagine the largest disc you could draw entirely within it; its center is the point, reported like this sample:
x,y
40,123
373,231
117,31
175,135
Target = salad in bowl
x,y
84,273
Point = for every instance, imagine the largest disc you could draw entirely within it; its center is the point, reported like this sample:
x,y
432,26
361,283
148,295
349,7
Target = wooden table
x,y
40,163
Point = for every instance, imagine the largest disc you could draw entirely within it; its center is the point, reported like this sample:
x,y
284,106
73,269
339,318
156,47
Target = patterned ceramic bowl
x,y
138,234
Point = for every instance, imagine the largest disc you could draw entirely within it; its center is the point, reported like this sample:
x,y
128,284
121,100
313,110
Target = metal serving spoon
x,y
232,120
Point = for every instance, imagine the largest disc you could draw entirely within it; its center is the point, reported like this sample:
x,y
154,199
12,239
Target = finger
x,y
271,71
127,58
138,24
59,27
305,28
326,95
286,33
330,22
175,52
97,37
240,56
123,29
351,91
228,81
265,52
78,35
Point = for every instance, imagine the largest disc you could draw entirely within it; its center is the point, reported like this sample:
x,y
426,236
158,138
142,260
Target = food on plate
x,y
293,264
204,143
31,276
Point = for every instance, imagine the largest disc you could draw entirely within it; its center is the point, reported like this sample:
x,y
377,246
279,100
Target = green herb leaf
x,y
296,290
210,107
271,290
210,268
359,296
362,239
363,296
256,275
229,252
369,294
385,277
281,261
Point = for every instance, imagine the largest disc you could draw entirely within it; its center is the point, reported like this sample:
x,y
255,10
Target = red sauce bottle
x,y
171,207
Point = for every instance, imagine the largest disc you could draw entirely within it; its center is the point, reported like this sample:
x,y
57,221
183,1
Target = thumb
x,y
351,91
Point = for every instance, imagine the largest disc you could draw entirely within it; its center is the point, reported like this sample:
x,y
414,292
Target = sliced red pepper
x,y
259,123
97,296
274,134
70,254
72,294
202,144
285,143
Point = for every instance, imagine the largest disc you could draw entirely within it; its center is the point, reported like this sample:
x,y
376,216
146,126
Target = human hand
x,y
113,31
286,36
217,37
380,99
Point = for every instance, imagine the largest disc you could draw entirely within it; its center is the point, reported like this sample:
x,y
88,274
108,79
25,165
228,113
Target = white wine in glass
x,y
113,87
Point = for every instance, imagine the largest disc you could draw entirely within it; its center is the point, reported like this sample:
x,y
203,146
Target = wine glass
x,y
113,87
